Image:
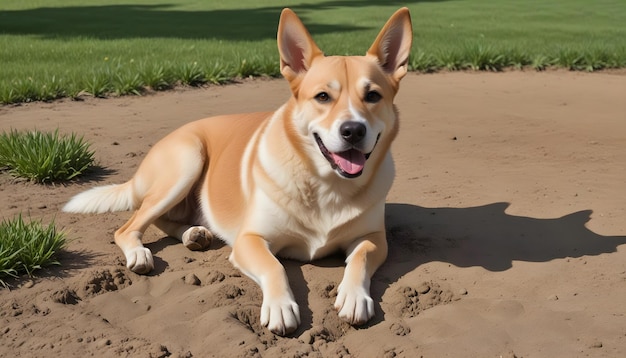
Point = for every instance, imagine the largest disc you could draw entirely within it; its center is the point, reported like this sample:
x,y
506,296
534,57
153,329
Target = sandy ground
x,y
505,223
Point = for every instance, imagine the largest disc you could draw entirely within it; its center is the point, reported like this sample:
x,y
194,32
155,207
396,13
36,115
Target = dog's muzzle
x,y
349,164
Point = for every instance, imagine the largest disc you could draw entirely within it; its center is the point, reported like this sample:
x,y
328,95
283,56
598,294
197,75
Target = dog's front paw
x,y
139,260
280,315
354,304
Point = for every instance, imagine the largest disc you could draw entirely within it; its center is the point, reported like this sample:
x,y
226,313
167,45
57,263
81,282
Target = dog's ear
x,y
393,44
295,45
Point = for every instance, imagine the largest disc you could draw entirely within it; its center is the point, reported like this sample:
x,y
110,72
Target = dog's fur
x,y
302,182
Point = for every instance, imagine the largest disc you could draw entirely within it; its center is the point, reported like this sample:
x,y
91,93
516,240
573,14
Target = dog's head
x,y
343,105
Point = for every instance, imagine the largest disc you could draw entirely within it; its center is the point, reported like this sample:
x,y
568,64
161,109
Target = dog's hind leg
x,y
193,237
160,190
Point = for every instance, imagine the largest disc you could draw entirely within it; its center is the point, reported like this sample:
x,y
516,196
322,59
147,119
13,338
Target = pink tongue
x,y
351,161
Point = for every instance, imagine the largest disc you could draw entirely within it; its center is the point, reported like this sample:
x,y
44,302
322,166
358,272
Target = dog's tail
x,y
117,197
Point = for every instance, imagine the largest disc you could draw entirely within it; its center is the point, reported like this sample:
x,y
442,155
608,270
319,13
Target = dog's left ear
x,y
393,44
295,45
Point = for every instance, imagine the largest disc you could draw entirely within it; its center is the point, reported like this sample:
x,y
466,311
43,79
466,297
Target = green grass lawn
x,y
58,48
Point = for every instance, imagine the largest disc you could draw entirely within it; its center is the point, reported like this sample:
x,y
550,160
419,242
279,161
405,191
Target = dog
x,y
305,181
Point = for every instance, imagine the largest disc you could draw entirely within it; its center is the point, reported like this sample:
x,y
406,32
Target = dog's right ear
x,y
295,45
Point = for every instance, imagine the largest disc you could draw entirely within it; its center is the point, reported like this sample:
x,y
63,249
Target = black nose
x,y
353,132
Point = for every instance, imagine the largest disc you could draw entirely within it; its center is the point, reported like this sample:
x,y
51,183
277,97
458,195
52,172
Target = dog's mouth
x,y
349,163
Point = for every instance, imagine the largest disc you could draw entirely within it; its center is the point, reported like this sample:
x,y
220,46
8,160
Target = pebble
x,y
553,298
29,284
192,279
103,343
595,344
462,291
423,288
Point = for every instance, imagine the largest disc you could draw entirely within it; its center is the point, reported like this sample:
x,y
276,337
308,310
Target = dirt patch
x,y
413,300
505,226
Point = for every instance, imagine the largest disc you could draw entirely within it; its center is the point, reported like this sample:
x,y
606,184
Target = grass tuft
x,y
517,59
484,58
423,62
27,246
156,77
451,60
127,82
44,156
540,62
570,59
191,74
97,85
217,74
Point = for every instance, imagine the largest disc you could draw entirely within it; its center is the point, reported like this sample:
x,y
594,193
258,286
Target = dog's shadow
x,y
483,236
487,236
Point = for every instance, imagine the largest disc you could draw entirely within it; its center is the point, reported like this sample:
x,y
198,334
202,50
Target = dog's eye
x,y
322,97
372,97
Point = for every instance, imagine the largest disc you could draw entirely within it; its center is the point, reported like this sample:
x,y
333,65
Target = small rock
x,y
462,292
192,279
553,298
28,284
103,343
595,344
423,288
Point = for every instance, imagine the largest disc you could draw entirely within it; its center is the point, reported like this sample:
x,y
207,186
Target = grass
x,y
69,48
27,246
44,156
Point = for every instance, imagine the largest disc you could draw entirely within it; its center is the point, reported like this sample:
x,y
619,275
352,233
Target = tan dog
x,y
302,182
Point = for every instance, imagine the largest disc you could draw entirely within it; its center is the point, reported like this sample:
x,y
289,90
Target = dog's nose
x,y
353,132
